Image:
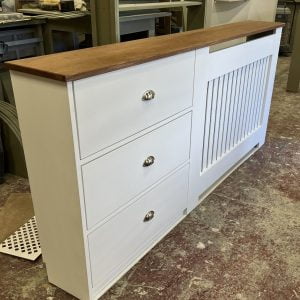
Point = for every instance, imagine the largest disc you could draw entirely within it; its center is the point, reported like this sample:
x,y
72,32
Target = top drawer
x,y
110,107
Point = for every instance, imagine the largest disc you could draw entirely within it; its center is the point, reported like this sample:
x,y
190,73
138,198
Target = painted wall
x,y
263,10
226,12
220,12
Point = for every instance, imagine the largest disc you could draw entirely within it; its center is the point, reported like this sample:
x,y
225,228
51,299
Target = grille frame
x,y
24,242
234,109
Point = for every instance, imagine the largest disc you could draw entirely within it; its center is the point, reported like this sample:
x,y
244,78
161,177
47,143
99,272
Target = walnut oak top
x,y
78,64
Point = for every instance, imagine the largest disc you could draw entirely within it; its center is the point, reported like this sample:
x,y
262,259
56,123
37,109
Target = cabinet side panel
x,y
44,117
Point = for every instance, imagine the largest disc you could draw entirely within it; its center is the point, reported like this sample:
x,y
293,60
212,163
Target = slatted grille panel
x,y
234,106
24,242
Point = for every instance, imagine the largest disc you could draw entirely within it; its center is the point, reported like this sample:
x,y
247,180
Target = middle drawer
x,y
112,180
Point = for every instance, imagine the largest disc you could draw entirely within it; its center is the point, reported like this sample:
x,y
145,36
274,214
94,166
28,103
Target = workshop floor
x,y
243,242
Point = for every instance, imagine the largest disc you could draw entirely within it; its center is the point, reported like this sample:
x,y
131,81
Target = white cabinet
x,y
111,173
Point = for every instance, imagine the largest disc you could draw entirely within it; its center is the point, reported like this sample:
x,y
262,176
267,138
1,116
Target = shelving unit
x,y
105,16
159,5
231,0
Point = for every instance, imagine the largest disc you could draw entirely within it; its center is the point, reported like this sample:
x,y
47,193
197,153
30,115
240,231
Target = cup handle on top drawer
x,y
148,95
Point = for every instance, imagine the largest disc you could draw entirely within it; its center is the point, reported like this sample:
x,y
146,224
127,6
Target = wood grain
x,y
78,64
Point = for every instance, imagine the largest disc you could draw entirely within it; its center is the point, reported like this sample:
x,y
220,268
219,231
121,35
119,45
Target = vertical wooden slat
x,y
254,95
218,117
238,105
242,104
263,90
256,100
234,106
247,101
231,109
224,114
248,128
251,115
213,121
227,112
259,94
207,125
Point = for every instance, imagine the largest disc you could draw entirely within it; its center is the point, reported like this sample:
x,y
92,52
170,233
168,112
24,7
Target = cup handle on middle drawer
x,y
149,161
149,216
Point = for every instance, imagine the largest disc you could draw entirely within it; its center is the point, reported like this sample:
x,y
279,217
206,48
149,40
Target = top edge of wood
x,y
83,63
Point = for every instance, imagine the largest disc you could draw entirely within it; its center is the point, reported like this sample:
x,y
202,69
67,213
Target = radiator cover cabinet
x,y
224,115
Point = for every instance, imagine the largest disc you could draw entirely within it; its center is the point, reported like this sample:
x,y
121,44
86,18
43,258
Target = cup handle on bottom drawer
x,y
149,216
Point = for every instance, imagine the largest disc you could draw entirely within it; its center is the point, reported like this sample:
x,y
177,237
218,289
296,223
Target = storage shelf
x,y
231,0
143,6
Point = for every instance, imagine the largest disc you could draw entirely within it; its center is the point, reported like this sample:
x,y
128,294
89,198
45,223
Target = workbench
x,y
80,23
123,141
23,38
15,35
105,16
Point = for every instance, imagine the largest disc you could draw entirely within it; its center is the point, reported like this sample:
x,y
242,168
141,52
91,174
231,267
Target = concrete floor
x,y
243,242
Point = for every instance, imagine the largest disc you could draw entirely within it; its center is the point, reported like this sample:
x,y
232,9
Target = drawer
x,y
115,178
117,244
109,107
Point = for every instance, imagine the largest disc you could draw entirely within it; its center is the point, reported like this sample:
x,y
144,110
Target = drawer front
x,y
123,239
117,177
110,108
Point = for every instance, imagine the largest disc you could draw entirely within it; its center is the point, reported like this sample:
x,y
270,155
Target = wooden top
x,y
78,64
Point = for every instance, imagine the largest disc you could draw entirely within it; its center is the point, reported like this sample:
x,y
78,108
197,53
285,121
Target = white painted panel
x,y
240,100
110,108
238,82
131,235
232,158
233,58
44,117
114,179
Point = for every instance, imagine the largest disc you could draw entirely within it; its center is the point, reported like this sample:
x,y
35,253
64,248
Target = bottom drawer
x,y
119,242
